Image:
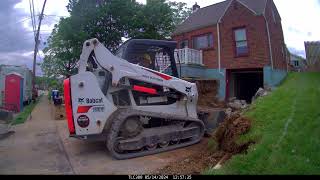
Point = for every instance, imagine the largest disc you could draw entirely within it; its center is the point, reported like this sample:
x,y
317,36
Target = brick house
x,y
238,42
297,63
313,55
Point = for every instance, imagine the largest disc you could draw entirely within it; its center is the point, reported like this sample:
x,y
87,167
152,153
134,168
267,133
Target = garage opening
x,y
243,84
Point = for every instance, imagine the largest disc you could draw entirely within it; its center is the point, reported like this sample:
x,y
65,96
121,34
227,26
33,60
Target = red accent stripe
x,y
68,105
163,76
145,89
83,109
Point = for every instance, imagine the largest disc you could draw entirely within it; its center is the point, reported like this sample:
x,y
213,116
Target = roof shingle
x,y
210,15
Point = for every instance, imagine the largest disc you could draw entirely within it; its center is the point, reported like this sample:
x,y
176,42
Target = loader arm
x,y
121,68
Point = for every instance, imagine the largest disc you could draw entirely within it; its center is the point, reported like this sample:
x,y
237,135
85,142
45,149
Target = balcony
x,y
189,56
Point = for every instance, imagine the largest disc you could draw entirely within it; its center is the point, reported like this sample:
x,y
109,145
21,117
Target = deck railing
x,y
189,56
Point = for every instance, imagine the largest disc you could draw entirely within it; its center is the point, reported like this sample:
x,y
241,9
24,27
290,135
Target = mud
x,y
224,146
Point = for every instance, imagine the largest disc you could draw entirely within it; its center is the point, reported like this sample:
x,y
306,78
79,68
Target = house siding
x,y
258,55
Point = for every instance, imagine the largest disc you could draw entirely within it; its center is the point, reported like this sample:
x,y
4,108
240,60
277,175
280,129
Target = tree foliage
x,y
110,21
180,12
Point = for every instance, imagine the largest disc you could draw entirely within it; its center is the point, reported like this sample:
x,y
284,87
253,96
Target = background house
x,y
313,55
238,42
297,63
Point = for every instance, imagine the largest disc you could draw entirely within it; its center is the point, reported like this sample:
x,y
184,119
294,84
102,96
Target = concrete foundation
x,y
271,78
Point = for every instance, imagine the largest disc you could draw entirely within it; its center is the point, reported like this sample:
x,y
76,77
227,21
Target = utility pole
x,y
37,45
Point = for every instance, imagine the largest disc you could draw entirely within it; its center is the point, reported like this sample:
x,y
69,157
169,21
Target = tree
x,y
64,48
180,12
109,21
153,21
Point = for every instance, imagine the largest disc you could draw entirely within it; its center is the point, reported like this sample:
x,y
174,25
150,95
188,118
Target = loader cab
x,y
157,55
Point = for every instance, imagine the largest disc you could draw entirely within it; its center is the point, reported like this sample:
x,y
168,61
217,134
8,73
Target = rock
x,y
243,102
237,101
260,93
235,105
244,106
187,160
218,166
232,99
228,112
268,89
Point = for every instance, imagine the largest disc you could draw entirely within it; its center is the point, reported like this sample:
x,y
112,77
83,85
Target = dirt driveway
x,y
42,146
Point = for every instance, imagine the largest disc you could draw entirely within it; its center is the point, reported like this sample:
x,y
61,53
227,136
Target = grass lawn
x,y
22,116
286,127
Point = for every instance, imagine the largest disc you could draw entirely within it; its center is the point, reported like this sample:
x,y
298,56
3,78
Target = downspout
x,y
219,52
219,49
269,39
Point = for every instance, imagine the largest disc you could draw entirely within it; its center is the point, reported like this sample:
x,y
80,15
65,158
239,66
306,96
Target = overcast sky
x,y
299,21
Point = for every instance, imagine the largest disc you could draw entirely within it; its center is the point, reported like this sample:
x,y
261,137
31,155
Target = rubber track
x,y
121,115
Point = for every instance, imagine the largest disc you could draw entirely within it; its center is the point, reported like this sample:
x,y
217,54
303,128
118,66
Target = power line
x,y
32,19
54,15
39,56
5,41
20,21
37,43
8,42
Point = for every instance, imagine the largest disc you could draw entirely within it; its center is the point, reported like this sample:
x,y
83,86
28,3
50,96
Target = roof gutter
x,y
269,39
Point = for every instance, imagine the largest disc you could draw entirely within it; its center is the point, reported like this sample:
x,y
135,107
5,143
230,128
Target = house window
x,y
203,42
296,63
241,43
183,44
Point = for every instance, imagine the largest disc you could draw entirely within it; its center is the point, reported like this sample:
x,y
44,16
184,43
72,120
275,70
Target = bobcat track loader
x,y
133,101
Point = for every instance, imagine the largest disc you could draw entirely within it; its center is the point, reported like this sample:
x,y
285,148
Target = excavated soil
x,y
225,137
194,164
208,90
229,131
207,93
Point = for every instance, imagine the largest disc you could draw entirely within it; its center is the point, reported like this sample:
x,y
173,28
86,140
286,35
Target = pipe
x,y
269,39
219,49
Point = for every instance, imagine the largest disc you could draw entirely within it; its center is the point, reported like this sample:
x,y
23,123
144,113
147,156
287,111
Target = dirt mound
x,y
229,131
208,90
224,146
194,164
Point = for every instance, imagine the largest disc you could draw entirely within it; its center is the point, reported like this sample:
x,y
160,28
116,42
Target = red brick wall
x,y
257,36
239,16
276,36
210,56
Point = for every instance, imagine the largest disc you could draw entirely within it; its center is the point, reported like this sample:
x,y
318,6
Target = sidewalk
x,y
35,147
